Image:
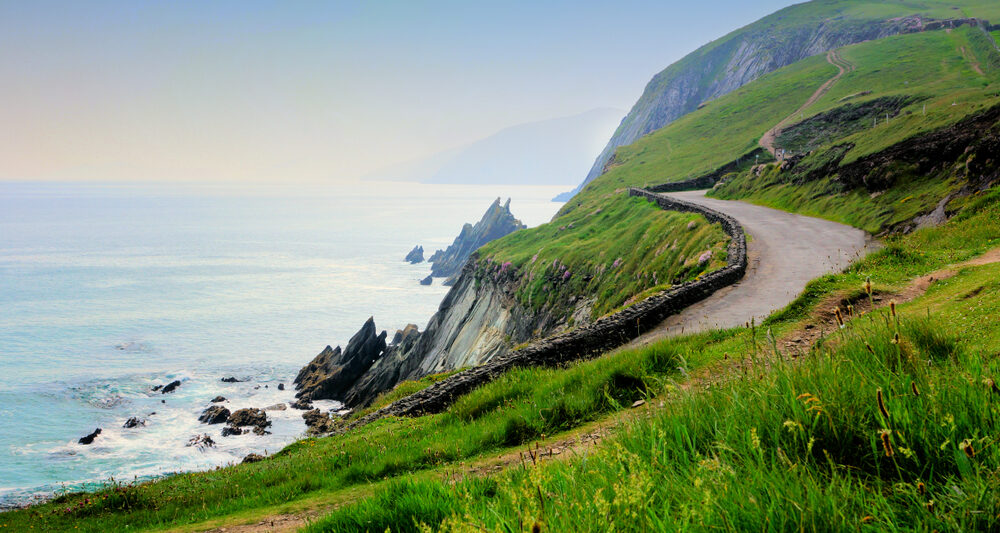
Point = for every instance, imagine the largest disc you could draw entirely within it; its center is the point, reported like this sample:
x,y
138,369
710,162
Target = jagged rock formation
x,y
332,372
496,222
479,319
604,334
416,255
745,55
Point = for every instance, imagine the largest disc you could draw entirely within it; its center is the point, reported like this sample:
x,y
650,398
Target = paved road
x,y
785,252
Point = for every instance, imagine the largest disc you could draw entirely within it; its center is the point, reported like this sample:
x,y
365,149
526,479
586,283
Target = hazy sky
x,y
295,91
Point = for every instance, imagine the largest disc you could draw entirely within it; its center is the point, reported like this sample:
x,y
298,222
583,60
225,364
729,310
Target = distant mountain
x,y
550,152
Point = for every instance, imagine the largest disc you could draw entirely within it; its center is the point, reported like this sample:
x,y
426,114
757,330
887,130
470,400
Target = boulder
x,y
201,442
170,387
416,255
276,407
134,423
281,386
228,431
428,280
259,430
333,371
89,439
215,414
218,399
302,404
318,422
248,417
253,458
231,379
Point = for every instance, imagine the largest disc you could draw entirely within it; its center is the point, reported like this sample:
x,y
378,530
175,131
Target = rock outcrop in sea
x,y
496,222
334,371
416,255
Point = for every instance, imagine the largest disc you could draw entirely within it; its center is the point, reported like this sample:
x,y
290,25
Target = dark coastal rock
x,y
333,371
281,386
253,458
171,387
496,222
416,255
215,414
249,417
259,430
89,439
229,431
302,404
318,422
428,280
218,399
134,423
156,388
201,442
231,379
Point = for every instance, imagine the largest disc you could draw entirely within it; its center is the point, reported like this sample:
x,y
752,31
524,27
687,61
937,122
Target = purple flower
x,y
705,257
617,263
566,275
555,263
505,266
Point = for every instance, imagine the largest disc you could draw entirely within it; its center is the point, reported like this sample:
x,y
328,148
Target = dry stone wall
x,y
589,341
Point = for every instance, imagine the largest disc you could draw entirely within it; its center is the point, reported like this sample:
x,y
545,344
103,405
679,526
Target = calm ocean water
x,y
108,290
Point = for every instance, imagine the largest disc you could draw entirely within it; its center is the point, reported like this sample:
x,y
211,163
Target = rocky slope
x,y
747,54
496,222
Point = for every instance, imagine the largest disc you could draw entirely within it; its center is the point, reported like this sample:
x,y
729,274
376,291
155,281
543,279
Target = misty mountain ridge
x,y
548,152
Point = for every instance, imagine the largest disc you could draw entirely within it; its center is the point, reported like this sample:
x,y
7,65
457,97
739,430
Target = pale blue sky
x,y
300,91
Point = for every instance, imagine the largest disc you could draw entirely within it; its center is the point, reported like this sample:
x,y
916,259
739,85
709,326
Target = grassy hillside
x,y
781,438
794,443
942,85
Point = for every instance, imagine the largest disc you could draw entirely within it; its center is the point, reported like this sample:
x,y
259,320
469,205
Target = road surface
x,y
785,251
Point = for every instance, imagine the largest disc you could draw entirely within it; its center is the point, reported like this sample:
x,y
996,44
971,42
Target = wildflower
x,y
992,385
840,317
921,488
867,519
566,275
881,404
914,389
870,349
850,311
895,338
970,452
892,308
868,286
536,528
886,443
930,505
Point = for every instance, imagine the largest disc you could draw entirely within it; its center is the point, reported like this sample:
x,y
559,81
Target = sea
x,y
109,290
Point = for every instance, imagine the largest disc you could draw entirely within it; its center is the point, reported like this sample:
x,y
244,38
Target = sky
x,y
297,91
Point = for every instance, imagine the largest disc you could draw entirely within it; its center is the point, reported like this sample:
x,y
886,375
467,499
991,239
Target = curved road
x,y
786,251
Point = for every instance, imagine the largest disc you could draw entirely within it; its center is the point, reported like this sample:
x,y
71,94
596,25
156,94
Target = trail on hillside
x,y
843,66
785,252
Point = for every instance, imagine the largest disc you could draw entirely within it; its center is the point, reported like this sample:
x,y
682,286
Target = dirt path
x,y
786,251
832,57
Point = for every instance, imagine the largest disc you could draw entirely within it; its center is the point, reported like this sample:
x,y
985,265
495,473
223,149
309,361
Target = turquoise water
x,y
108,290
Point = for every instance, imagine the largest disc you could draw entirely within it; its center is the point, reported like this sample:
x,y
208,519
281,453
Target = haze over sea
x,y
108,290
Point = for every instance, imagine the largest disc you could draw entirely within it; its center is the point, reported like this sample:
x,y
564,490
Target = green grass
x,y
611,254
794,445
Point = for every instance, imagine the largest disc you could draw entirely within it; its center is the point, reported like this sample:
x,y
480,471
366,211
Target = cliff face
x,y
496,222
743,56
478,320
